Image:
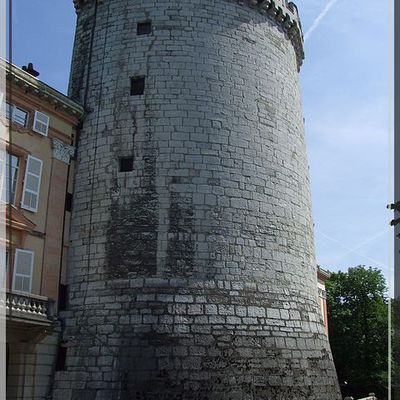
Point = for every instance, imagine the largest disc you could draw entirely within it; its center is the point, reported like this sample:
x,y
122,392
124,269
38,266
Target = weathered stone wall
x,y
31,363
192,276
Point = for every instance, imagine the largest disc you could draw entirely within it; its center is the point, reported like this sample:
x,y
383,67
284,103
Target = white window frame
x,y
12,108
23,205
4,169
35,119
3,173
17,252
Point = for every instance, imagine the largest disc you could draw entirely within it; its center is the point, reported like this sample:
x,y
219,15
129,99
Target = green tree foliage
x,y
358,328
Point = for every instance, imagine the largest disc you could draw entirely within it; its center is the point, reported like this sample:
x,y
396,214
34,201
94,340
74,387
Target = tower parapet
x,y
284,13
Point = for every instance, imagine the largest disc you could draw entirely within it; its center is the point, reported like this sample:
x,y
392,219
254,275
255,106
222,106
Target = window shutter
x,y
8,111
30,196
41,123
19,116
10,178
23,268
13,113
3,172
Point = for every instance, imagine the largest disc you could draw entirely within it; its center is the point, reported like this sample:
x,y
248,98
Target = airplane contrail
x,y
375,262
318,20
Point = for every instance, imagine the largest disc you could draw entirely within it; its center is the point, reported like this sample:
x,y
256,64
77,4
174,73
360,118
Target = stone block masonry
x,y
192,276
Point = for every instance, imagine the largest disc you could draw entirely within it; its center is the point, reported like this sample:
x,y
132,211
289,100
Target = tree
x,y
358,329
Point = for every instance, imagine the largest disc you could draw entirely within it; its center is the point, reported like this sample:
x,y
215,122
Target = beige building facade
x,y
323,276
36,194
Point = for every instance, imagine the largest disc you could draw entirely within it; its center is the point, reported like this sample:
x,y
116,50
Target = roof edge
x,y
41,89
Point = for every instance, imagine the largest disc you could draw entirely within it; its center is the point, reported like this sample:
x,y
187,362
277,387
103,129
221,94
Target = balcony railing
x,y
29,307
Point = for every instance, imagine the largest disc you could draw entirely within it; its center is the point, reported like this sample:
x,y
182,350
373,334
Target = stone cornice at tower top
x,y
283,12
286,15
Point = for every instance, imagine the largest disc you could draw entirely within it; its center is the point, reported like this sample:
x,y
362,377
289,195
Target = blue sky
x,y
345,86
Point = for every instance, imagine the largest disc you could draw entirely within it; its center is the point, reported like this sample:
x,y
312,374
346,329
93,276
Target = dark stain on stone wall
x,y
149,372
131,247
181,241
88,394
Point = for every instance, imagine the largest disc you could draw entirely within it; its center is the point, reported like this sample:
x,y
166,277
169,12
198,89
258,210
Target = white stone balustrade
x,y
28,306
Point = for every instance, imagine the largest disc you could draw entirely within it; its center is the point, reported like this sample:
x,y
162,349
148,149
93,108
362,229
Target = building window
x,y
137,85
11,174
16,114
68,202
61,357
23,268
30,195
41,123
7,110
62,297
126,164
19,116
144,28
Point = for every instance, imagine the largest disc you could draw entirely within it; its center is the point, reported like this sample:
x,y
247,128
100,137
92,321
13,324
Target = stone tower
x,y
192,271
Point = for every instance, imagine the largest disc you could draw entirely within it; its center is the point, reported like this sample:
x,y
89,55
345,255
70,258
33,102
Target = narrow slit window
x,y
62,298
126,164
61,357
68,202
137,85
144,28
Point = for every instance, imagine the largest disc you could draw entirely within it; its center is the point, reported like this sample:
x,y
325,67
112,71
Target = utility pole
x,y
394,381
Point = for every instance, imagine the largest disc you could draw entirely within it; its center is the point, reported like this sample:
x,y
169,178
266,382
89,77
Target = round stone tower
x,y
192,271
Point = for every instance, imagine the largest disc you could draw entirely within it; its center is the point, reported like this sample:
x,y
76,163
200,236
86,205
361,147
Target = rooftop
x,y
40,89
